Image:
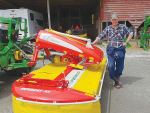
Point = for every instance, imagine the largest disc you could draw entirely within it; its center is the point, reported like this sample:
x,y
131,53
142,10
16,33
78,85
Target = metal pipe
x,y
48,11
83,61
39,57
55,103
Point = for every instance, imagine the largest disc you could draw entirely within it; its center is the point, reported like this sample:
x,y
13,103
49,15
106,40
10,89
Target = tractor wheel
x,y
19,71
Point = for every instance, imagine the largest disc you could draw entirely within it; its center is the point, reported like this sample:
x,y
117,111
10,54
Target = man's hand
x,y
124,44
92,43
96,41
128,40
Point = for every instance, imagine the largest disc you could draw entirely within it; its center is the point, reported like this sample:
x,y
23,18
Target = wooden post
x,y
100,22
58,20
99,25
125,23
106,24
135,32
70,26
48,11
80,16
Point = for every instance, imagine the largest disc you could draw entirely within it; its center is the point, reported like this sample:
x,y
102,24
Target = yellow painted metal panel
x,y
50,71
89,82
77,66
25,107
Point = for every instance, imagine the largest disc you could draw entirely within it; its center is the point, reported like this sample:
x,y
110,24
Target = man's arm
x,y
101,36
128,40
130,33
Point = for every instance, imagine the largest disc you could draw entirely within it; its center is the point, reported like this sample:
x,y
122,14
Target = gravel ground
x,y
133,97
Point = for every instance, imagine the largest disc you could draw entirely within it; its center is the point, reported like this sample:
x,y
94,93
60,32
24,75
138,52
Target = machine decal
x,y
74,76
35,90
57,41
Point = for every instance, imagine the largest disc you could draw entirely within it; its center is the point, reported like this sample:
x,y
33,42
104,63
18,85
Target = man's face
x,y
114,22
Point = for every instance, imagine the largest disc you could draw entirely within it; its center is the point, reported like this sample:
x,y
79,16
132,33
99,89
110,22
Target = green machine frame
x,y
9,44
145,37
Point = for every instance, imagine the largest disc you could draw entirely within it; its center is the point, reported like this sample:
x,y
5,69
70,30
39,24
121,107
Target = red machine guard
x,y
26,79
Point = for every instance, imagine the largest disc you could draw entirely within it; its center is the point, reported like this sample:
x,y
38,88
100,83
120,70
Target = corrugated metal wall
x,y
132,10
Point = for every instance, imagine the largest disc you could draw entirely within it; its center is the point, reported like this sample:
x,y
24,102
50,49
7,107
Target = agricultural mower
x,y
13,54
145,37
70,83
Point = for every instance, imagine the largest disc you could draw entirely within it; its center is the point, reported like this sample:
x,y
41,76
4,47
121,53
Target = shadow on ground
x,y
130,80
6,83
108,85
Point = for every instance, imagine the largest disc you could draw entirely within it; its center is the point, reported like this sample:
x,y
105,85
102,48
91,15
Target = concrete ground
x,y
133,97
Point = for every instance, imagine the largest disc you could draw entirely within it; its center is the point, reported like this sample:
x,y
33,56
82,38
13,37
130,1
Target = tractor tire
x,y
19,71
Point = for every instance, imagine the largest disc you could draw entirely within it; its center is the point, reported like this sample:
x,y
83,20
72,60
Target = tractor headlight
x,y
4,26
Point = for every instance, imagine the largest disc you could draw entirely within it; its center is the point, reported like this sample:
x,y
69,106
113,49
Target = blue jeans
x,y
115,66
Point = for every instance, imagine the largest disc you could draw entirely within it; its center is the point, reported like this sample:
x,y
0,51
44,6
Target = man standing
x,y
115,48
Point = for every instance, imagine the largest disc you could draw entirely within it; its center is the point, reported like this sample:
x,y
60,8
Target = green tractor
x,y
13,53
145,37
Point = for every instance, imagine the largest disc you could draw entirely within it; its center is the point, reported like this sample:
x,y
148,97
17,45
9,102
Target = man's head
x,y
114,19
114,16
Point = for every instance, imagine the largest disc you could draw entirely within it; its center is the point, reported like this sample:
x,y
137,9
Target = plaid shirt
x,y
115,38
